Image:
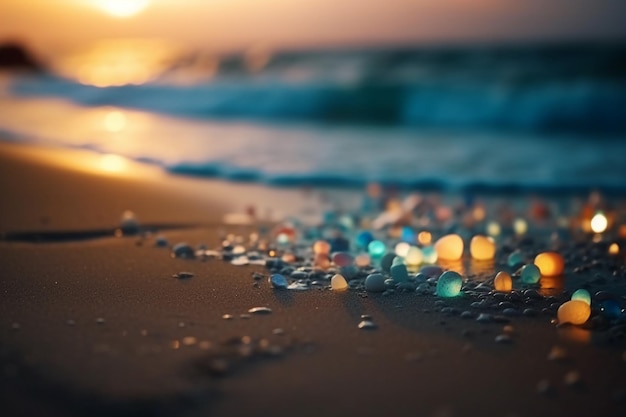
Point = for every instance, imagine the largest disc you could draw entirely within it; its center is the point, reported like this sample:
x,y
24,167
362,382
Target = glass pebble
x,y
449,284
530,274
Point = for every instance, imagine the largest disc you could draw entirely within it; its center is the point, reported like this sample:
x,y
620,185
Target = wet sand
x,y
100,327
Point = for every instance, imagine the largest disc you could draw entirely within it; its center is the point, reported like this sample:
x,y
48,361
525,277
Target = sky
x,y
52,25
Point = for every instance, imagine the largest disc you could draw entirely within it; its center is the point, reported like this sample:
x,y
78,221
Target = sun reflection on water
x,y
114,121
120,61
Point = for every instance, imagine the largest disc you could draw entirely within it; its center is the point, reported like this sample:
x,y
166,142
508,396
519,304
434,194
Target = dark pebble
x,y
484,318
511,312
467,315
533,294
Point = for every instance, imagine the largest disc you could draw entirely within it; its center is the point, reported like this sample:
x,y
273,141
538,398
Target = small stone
x,y
367,325
240,261
15,326
532,294
260,310
482,248
431,271
530,274
278,281
338,283
484,318
183,251
129,225
387,261
183,275
582,295
511,312
504,339
161,242
342,259
228,316
375,283
449,284
467,315
100,320
550,263
298,286
449,247
515,258
575,312
278,331
299,275
503,282
399,273
70,322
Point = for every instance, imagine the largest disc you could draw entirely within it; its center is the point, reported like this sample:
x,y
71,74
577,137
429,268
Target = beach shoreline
x,y
100,326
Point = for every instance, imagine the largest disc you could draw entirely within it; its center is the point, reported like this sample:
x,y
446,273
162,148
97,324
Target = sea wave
x,y
562,89
584,106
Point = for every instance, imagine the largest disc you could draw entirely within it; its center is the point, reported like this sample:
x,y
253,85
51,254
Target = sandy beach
x,y
98,326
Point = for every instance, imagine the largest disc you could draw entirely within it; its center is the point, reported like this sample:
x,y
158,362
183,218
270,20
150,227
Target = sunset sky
x,y
50,25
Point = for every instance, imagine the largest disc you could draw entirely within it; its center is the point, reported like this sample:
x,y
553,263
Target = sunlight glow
x,y
121,8
117,62
112,163
115,121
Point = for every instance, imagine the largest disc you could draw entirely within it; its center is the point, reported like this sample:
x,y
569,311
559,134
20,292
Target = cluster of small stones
x,y
333,256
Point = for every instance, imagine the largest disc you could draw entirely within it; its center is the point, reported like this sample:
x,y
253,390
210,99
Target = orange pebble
x,y
550,263
503,282
482,248
449,247
574,311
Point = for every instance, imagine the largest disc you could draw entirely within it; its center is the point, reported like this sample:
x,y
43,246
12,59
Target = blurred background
x,y
479,95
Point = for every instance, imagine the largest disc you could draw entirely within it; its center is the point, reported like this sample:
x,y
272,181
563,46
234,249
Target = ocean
x,y
541,119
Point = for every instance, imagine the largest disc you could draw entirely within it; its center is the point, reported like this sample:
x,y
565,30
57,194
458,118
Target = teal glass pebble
x,y
398,261
582,295
530,274
449,284
376,248
515,258
399,272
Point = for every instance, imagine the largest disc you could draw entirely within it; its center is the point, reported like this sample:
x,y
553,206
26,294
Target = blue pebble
x,y
363,239
376,248
408,235
278,281
611,309
530,274
375,283
184,251
399,273
449,284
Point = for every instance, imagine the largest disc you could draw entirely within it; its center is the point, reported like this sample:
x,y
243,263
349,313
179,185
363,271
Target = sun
x,y
121,8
